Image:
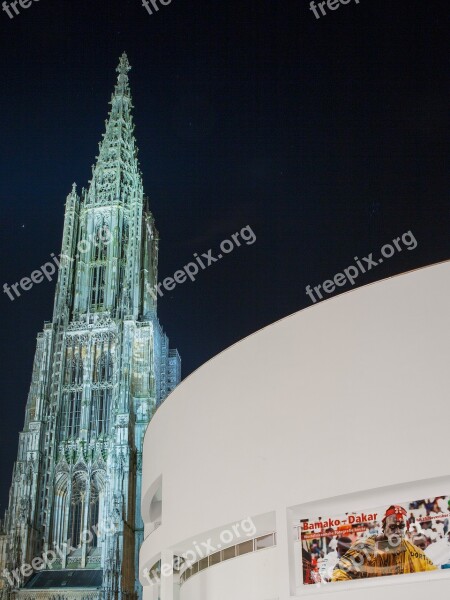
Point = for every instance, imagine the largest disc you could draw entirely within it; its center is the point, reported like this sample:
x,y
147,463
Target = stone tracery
x,y
91,394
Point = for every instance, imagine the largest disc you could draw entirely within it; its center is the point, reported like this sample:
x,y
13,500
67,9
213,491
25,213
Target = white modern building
x,y
339,409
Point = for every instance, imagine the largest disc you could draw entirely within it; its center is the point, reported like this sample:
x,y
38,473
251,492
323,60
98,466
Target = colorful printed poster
x,y
404,538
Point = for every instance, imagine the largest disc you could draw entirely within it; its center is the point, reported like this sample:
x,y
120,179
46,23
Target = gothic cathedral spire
x,y
101,368
116,175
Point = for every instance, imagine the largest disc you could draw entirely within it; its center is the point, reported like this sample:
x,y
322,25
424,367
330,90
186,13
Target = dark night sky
x,y
328,137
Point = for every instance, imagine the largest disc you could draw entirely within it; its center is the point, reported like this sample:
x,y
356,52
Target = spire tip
x,y
124,65
122,78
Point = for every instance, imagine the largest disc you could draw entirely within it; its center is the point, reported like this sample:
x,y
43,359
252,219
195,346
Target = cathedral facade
x,y
102,366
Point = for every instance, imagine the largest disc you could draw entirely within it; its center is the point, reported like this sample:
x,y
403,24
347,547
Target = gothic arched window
x,y
104,368
71,414
123,252
77,507
101,240
98,282
61,509
97,487
101,397
74,370
94,507
71,399
100,412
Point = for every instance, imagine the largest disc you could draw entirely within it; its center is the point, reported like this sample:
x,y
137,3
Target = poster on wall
x,y
404,538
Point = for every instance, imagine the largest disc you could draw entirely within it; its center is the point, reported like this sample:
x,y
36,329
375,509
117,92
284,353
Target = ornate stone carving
x,y
24,508
82,424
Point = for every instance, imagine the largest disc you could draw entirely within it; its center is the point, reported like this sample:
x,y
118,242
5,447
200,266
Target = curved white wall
x,y
220,582
260,428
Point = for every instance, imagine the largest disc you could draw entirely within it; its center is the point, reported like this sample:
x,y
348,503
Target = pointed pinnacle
x,y
122,79
124,65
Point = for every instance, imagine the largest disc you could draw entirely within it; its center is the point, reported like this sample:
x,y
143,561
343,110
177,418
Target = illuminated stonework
x,y
102,366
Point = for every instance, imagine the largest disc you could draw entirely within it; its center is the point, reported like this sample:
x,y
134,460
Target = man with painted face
x,y
387,554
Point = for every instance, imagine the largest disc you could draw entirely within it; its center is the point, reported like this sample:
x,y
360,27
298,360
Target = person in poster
x,y
387,554
329,562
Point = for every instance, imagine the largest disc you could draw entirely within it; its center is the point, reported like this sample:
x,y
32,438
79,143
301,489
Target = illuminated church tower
x,y
102,366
